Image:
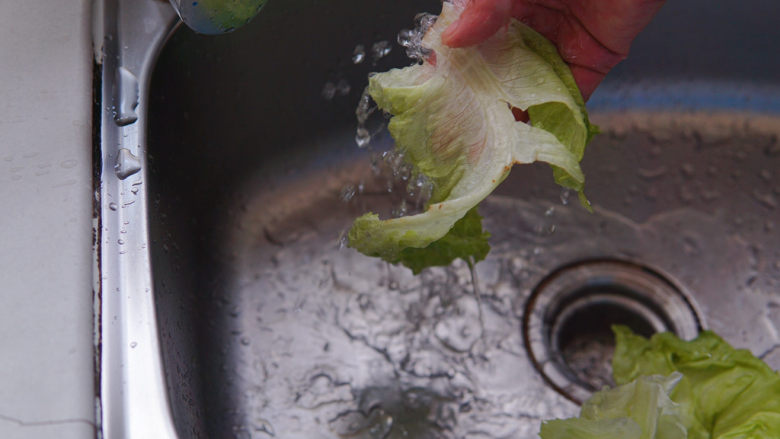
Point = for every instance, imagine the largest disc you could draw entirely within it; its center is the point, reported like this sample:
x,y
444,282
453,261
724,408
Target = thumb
x,y
478,22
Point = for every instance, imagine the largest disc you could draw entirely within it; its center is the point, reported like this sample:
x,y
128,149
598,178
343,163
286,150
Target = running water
x,y
412,188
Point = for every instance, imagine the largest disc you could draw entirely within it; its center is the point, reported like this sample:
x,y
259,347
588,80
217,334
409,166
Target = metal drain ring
x,y
636,292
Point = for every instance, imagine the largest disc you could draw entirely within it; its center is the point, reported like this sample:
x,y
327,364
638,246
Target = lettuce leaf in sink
x,y
670,388
640,409
453,121
725,393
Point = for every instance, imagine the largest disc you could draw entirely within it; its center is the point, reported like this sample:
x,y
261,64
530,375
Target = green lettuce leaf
x,y
640,409
724,393
465,240
452,120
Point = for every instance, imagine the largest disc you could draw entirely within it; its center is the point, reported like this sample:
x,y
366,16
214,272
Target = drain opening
x,y
568,319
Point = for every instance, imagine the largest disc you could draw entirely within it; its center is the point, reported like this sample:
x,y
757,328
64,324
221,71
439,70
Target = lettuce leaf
x,y
465,240
724,393
452,119
711,391
640,409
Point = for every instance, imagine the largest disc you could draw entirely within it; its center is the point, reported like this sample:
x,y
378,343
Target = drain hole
x,y
568,320
585,341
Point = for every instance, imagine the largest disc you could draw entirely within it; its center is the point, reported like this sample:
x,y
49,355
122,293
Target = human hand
x,y
592,36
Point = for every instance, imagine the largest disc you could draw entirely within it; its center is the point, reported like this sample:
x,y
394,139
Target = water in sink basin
x,y
314,340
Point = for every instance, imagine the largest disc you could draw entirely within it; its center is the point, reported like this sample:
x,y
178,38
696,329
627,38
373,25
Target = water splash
x,y
358,54
411,39
379,50
565,195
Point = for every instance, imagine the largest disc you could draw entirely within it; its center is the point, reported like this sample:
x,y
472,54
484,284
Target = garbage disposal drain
x,y
568,318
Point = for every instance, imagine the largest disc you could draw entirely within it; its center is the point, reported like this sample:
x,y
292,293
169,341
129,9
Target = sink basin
x,y
264,325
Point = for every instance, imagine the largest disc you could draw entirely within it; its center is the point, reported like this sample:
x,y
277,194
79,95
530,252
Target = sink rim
x,y
132,397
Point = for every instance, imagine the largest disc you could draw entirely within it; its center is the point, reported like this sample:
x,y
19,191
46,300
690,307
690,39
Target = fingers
x,y
587,80
592,36
575,44
478,22
615,23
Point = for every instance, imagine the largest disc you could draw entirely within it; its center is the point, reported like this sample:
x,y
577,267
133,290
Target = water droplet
x,y
651,173
112,206
709,194
688,170
133,344
362,137
685,194
342,87
120,241
766,199
364,108
126,164
359,54
343,240
565,194
245,341
347,192
328,91
690,246
379,50
127,86
401,210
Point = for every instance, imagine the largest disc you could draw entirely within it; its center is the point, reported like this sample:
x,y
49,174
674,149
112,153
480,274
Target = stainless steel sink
x,y
229,307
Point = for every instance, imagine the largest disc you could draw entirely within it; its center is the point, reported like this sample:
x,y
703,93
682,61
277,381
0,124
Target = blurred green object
x,y
213,17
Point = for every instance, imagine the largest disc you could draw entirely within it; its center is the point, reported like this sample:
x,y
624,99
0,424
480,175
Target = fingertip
x,y
452,36
587,80
478,22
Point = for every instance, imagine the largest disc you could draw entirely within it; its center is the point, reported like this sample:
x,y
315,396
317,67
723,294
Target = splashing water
x,y
379,50
400,177
411,40
358,54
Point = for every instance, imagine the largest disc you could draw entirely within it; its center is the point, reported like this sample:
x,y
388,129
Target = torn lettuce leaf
x,y
711,391
724,393
640,409
452,120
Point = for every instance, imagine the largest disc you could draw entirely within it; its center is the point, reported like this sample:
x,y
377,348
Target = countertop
x,y
46,365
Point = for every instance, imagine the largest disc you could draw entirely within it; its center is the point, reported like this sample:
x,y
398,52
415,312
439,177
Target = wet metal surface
x,y
270,328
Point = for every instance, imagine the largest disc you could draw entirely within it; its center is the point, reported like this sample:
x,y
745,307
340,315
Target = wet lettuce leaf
x,y
640,409
452,119
669,389
725,393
